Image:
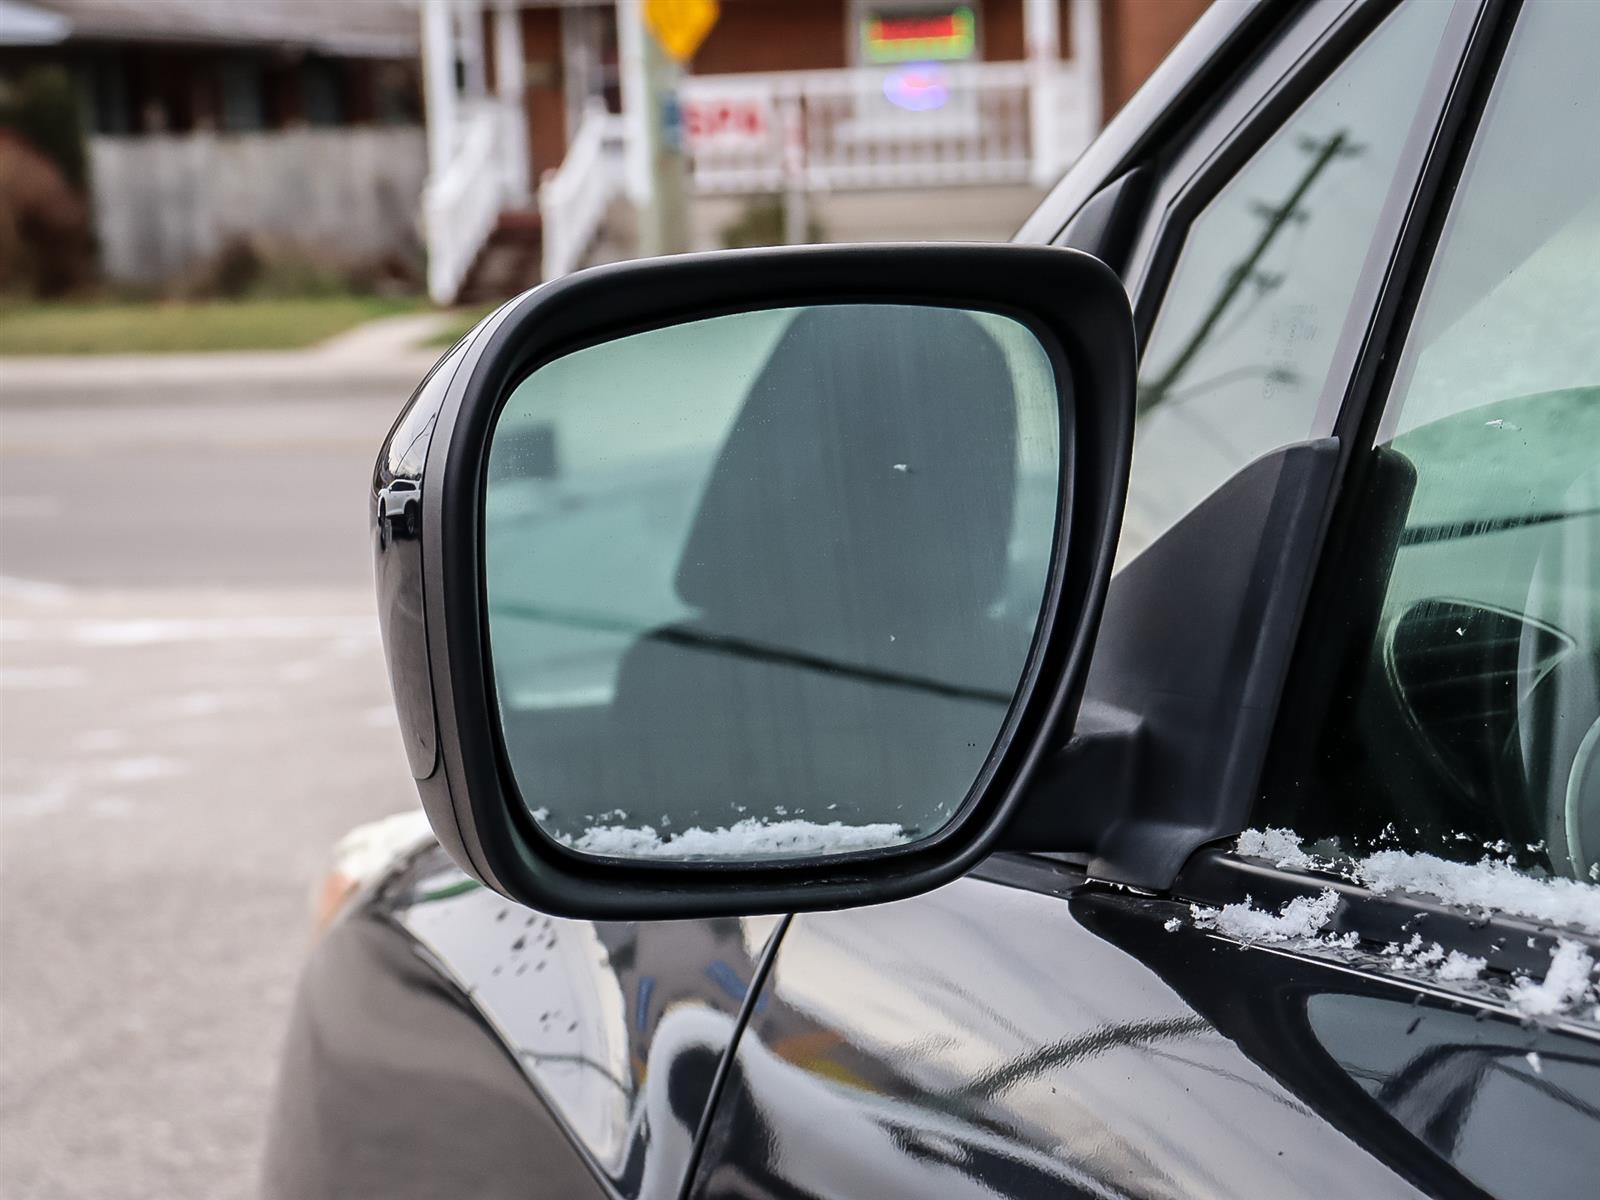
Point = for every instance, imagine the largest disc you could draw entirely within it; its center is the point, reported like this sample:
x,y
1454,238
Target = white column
x,y
578,63
439,82
1041,30
1086,62
469,22
509,75
635,102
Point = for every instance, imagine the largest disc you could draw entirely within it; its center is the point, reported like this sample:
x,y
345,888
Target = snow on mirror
x,y
765,585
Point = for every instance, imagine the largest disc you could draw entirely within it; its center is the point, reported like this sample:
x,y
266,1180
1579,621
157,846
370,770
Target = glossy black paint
x,y
392,1083
449,1042
1024,1034
1020,1033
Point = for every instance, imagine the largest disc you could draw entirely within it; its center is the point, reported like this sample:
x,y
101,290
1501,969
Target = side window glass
x,y
1462,666
1241,348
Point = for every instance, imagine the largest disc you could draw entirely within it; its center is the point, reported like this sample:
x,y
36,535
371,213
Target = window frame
x,y
1177,786
1517,943
1292,68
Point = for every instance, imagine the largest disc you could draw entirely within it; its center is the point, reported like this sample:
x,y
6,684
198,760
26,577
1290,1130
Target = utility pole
x,y
661,169
1277,217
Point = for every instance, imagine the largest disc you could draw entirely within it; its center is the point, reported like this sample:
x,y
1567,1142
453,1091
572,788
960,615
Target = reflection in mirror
x,y
764,585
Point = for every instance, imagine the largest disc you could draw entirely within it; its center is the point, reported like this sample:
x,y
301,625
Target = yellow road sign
x,y
680,25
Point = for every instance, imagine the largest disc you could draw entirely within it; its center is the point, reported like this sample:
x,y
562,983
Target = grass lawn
x,y
138,328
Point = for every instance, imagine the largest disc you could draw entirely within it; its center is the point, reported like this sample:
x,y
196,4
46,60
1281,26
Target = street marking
x,y
28,679
148,631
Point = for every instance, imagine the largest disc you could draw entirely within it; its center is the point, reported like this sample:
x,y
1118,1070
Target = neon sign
x,y
917,88
942,34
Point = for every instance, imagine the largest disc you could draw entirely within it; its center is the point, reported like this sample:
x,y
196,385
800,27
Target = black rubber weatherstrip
x,y
757,983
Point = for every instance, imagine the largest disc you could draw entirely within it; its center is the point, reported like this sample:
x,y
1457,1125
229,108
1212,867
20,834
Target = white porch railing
x,y
574,197
794,131
463,201
947,124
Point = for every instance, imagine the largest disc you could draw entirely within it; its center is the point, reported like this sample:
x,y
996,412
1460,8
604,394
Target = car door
x,y
1368,376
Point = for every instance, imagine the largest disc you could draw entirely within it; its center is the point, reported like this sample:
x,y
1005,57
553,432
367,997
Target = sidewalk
x,y
381,357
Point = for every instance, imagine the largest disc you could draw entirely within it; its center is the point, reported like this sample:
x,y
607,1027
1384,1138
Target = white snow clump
x,y
1301,917
750,838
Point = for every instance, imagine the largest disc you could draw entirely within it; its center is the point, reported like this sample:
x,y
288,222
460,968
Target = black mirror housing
x,y
429,539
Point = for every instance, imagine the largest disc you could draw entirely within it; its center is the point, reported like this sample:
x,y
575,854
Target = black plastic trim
x,y
1349,520
1221,44
1105,226
1184,687
1222,151
1200,629
1511,945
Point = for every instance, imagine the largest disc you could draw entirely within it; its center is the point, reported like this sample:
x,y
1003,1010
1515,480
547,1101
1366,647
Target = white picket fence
x,y
167,203
938,125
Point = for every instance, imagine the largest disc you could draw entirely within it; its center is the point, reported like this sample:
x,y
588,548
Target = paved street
x,y
192,709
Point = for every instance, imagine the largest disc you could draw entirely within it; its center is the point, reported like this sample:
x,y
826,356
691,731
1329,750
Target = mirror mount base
x,y
1066,807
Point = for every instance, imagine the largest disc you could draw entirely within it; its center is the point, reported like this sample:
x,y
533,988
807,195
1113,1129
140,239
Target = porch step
x,y
508,262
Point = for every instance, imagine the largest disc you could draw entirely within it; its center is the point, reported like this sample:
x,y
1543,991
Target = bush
x,y
42,109
46,236
46,244
265,268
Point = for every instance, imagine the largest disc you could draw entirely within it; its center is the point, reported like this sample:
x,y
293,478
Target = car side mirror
x,y
754,581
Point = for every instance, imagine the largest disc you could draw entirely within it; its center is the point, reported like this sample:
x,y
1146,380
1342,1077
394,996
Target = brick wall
x,y
798,35
1135,35
543,100
775,35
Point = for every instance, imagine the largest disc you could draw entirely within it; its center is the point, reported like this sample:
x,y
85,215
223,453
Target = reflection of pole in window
x,y
1247,271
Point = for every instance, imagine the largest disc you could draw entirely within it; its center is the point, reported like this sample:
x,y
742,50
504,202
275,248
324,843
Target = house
x,y
299,119
538,116
178,66
209,120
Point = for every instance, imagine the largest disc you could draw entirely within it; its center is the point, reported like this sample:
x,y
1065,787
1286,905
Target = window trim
x,y
1185,786
1251,117
1220,874
1372,384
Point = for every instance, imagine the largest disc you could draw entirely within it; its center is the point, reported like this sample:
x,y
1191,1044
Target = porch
x,y
808,137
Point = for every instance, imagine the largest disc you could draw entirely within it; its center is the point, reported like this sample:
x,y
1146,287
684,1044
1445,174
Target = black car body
x,y
1036,1029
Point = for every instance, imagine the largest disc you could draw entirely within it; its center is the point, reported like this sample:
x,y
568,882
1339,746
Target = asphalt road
x,y
192,709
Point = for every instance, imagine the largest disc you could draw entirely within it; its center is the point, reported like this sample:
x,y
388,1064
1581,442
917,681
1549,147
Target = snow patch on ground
x,y
142,769
749,838
41,678
370,849
1302,917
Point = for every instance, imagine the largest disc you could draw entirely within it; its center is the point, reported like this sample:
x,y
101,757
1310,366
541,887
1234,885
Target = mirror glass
x,y
764,585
